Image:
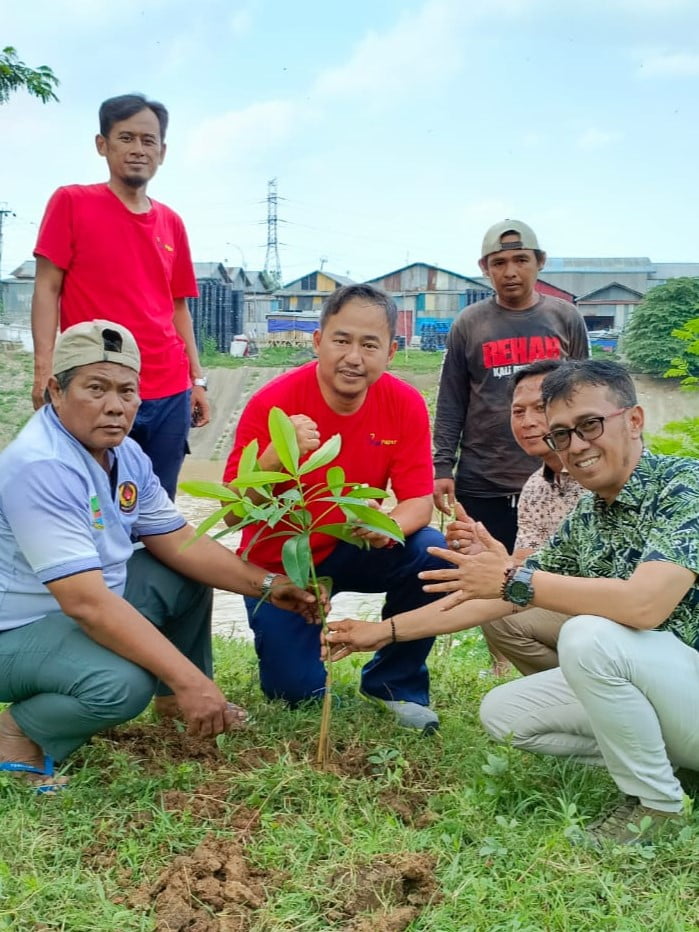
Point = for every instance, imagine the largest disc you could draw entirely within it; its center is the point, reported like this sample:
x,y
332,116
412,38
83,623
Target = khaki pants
x,y
622,698
528,639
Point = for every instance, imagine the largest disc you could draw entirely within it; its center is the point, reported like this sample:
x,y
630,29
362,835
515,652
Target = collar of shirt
x,y
635,489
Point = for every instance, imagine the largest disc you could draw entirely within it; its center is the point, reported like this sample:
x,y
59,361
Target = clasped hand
x,y
285,595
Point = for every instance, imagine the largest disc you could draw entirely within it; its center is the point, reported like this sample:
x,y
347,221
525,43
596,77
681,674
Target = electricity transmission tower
x,y
273,267
4,212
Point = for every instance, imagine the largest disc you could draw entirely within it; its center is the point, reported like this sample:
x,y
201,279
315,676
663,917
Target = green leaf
x,y
253,480
296,559
216,490
366,491
283,437
342,532
355,497
373,520
290,496
248,458
323,455
335,477
208,523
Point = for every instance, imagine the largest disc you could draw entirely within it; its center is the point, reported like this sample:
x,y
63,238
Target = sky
x,y
397,130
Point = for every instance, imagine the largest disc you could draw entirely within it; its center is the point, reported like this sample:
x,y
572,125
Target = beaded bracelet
x,y
393,630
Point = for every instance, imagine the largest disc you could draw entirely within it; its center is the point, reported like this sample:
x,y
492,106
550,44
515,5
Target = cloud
x,y
593,138
240,23
669,64
239,134
422,48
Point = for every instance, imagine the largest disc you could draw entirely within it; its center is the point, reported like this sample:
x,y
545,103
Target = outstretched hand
x,y
350,636
473,577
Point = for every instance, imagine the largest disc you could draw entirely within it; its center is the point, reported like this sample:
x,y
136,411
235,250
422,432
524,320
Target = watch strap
x,y
267,584
509,573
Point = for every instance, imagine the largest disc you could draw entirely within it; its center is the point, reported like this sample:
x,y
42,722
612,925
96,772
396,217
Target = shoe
x,y
408,714
46,770
628,824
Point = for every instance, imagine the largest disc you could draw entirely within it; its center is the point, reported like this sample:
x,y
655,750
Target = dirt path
x,y
229,391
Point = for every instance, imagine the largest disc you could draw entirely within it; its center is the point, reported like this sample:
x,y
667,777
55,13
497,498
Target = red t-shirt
x,y
387,439
124,267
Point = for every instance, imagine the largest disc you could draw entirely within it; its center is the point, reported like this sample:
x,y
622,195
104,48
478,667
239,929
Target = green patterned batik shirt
x,y
654,517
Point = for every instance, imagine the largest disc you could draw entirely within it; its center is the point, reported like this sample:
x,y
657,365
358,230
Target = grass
x,y
448,834
286,356
268,356
15,399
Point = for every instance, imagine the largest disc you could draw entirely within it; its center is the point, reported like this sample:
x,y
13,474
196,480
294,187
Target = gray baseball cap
x,y
95,341
492,241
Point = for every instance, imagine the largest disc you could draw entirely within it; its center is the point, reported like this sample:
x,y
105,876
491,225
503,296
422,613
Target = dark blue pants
x,y
288,648
499,515
160,429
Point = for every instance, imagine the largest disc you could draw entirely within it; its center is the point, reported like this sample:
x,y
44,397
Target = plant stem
x,y
323,752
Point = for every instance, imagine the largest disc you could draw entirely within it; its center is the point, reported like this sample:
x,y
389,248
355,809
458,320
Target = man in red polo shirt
x,y
109,251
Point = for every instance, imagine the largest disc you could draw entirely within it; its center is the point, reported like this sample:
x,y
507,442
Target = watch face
x,y
519,590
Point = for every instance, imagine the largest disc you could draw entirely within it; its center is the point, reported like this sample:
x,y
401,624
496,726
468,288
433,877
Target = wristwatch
x,y
201,383
266,585
517,587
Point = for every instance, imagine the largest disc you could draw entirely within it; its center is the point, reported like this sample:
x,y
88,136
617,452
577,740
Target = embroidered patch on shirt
x,y
97,518
128,496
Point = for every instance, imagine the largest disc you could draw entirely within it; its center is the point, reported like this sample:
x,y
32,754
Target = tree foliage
x,y
14,75
678,438
688,361
651,343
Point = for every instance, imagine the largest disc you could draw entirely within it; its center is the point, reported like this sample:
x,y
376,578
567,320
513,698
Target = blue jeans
x,y
161,429
288,648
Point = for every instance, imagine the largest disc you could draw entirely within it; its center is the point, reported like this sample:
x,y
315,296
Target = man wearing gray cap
x,y
90,629
476,458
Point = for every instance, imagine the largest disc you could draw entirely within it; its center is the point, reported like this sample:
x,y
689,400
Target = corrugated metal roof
x,y
340,279
215,271
26,270
427,265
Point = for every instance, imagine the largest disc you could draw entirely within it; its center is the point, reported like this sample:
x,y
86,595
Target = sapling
x,y
282,502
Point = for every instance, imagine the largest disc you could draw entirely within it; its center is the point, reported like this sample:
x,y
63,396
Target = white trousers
x,y
621,698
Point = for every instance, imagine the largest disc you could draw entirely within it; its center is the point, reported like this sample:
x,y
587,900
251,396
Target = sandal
x,y
46,770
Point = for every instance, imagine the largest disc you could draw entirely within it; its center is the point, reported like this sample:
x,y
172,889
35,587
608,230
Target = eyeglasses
x,y
589,429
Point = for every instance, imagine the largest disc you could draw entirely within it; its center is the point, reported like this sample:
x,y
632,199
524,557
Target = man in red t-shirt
x,y
109,251
385,433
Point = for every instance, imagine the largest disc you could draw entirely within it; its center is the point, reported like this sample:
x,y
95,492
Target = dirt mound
x,y
386,894
154,744
210,890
